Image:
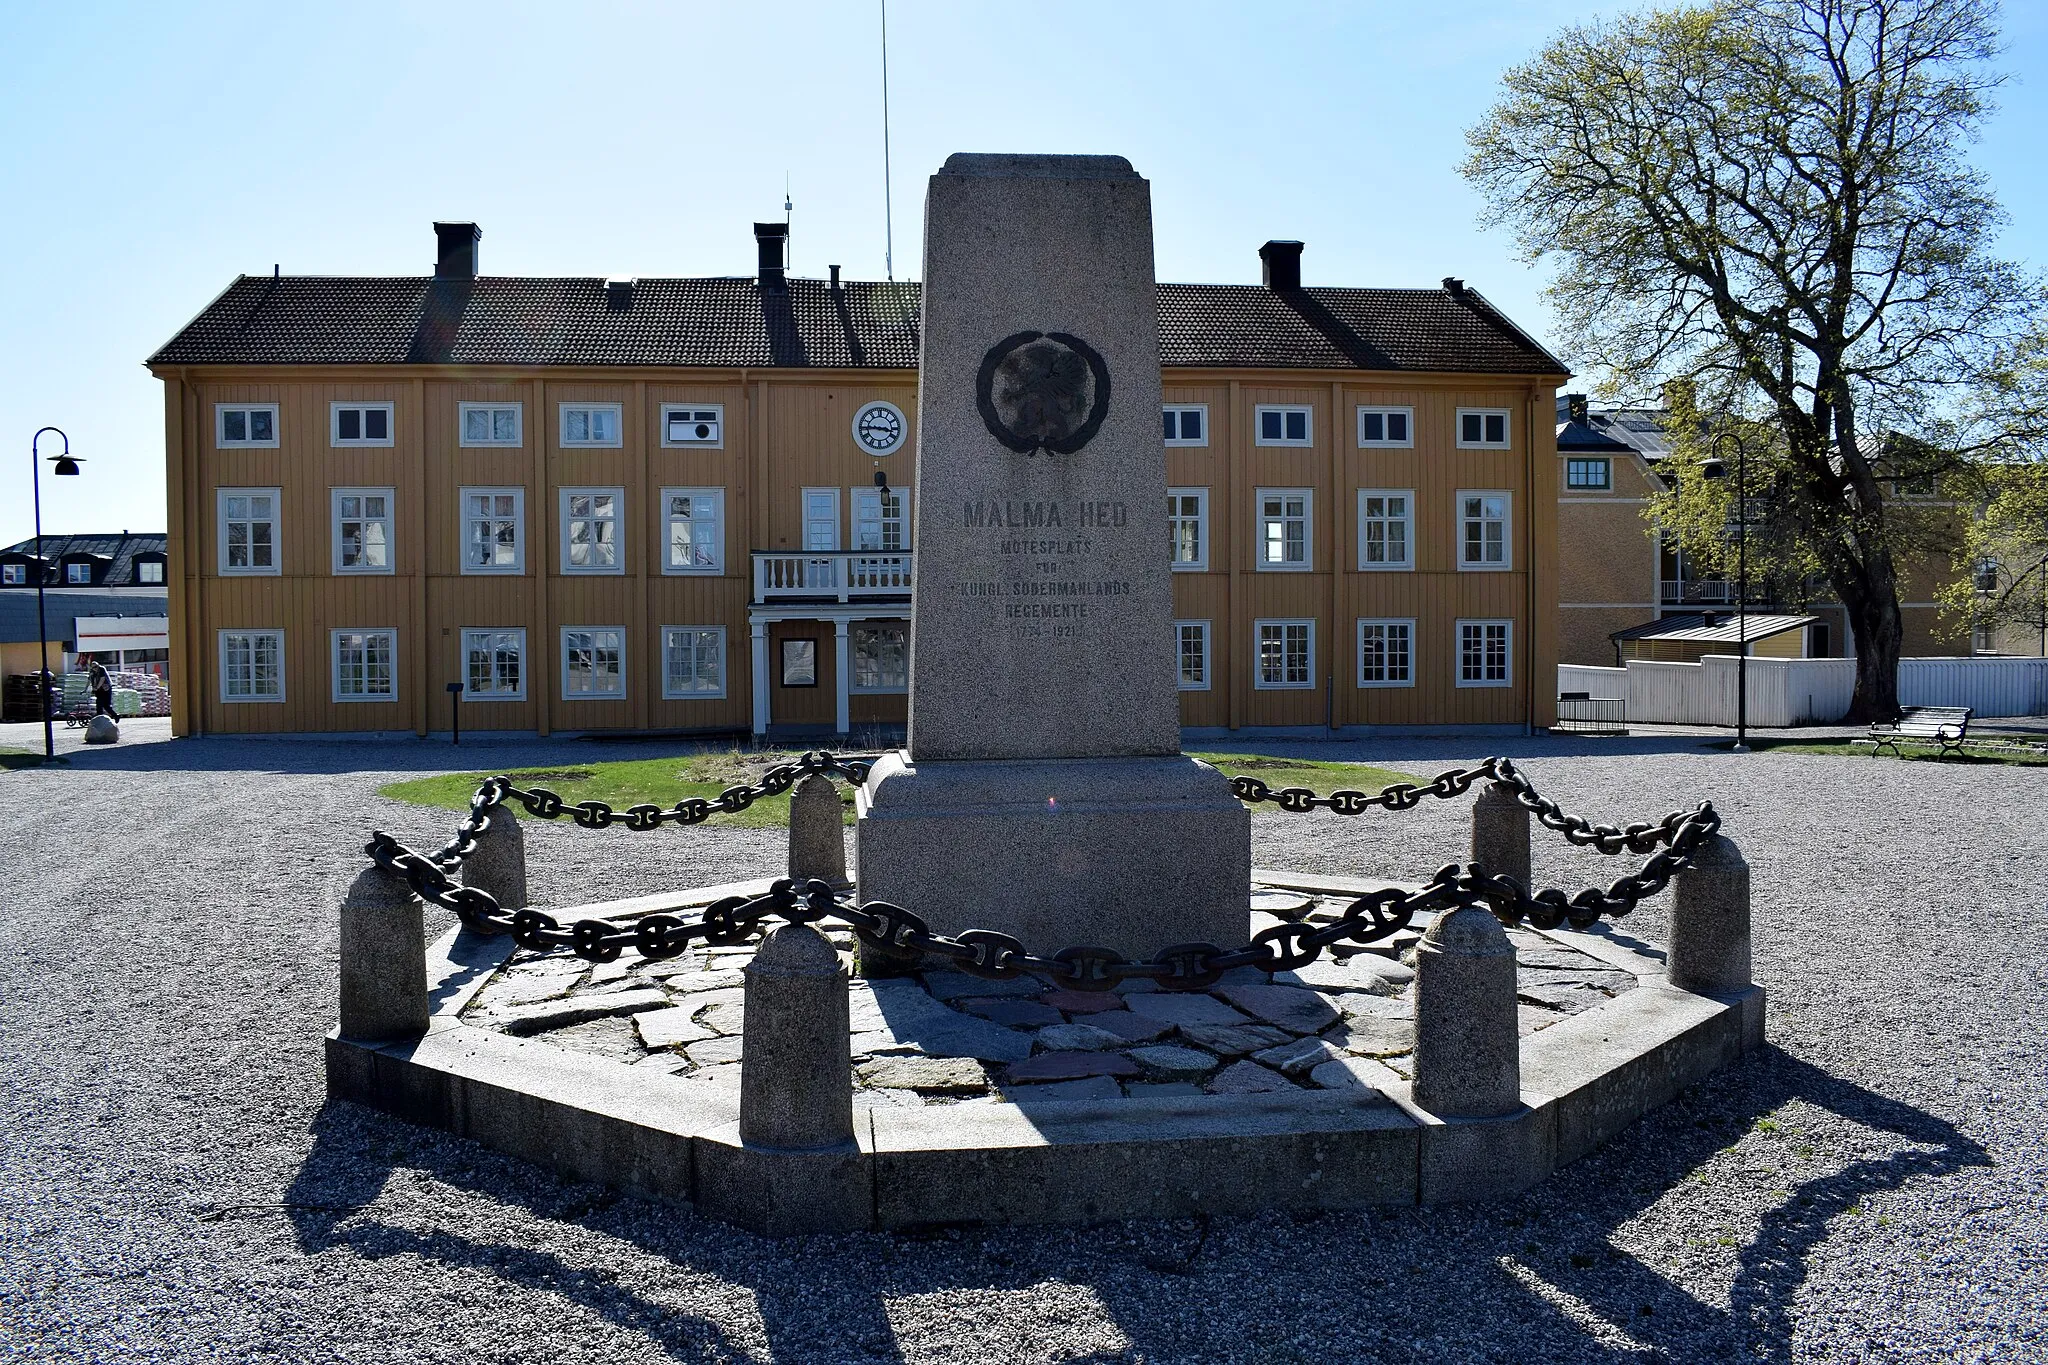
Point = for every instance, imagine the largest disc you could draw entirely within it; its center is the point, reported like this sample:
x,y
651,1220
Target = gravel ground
x,y
174,1187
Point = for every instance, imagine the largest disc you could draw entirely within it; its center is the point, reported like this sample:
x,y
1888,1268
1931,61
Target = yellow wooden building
x,y
686,505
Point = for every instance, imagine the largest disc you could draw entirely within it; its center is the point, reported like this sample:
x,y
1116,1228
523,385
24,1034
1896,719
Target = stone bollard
x,y
1500,832
796,1050
817,832
1709,948
1468,1059
383,959
498,867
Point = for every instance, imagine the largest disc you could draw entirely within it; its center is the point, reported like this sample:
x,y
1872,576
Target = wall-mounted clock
x,y
879,428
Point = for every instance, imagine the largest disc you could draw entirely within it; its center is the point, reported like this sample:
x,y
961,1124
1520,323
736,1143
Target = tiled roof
x,y
116,551
1640,429
732,321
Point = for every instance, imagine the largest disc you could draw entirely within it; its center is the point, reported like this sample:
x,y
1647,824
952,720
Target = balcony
x,y
866,576
1709,592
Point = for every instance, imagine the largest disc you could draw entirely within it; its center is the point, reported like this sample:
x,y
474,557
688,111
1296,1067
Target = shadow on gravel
x,y
1537,1278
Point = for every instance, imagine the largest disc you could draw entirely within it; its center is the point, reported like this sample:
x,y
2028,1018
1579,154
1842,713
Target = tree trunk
x,y
1870,599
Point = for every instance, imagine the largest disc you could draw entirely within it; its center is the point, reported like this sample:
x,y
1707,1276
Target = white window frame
x,y
390,520
1407,520
617,412
852,653
471,634
617,518
804,520
14,575
142,574
1384,410
857,496
668,692
713,496
1408,623
1202,408
465,517
1507,649
667,408
1606,464
1208,655
72,568
276,520
221,655
462,411
562,657
1174,518
1507,440
1308,530
334,664
1308,424
1259,682
339,442
1507,530
220,426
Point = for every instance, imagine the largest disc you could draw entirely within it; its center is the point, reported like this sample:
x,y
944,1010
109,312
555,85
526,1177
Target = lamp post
x,y
65,464
1741,598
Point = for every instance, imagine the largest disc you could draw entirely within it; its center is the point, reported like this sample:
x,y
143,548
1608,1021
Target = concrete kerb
x,y
1583,1080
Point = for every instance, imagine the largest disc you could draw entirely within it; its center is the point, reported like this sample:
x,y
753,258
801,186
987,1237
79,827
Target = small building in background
x,y
1688,637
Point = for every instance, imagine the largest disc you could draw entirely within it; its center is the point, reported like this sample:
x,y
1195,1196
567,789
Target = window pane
x,y
578,424
260,425
1397,426
234,425
1172,427
349,424
1269,426
376,424
1191,424
502,420
1496,428
1297,426
1373,426
476,425
1469,428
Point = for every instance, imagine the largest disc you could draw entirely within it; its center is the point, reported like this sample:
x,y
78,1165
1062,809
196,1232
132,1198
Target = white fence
x,y
1806,691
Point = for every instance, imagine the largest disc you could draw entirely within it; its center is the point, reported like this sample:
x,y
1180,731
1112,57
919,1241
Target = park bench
x,y
1947,726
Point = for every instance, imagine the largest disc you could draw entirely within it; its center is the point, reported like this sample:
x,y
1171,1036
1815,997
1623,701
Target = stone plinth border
x,y
1582,1080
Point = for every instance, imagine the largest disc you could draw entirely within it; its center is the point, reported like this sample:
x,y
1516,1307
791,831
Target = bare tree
x,y
1769,200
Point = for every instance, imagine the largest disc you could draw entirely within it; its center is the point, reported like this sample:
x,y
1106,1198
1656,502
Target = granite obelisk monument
x,y
1043,793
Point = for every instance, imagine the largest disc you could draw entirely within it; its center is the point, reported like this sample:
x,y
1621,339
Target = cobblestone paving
x,y
945,1037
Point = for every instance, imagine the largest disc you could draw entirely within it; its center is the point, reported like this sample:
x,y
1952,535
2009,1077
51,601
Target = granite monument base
x,y
1133,854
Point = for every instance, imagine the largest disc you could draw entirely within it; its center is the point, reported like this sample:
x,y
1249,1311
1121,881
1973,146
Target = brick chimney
x,y
1280,265
773,241
455,250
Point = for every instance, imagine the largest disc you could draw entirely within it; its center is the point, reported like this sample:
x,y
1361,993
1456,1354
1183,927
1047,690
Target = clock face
x,y
879,427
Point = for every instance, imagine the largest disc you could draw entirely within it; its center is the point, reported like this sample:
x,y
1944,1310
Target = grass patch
x,y
665,781
1911,752
20,758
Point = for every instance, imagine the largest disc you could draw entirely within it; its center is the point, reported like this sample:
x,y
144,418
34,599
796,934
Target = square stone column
x,y
1043,792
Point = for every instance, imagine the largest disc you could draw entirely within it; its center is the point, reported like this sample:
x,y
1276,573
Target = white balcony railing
x,y
831,577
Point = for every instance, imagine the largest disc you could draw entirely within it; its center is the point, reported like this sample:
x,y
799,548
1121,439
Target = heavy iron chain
x,y
1000,957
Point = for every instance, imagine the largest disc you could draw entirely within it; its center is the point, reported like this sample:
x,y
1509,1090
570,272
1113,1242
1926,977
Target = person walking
x,y
102,689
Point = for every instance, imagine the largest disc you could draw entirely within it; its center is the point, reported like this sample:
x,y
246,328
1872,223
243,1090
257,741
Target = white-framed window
x,y
78,572
1588,473
701,425
362,530
881,525
693,523
881,658
1286,655
821,518
1187,424
248,530
1191,646
1386,653
593,530
1484,540
1983,640
592,424
1276,425
149,571
245,424
1187,514
692,662
493,530
494,665
13,575
360,424
1386,428
1482,428
364,664
1386,529
1485,653
252,665
593,663
1286,538
489,424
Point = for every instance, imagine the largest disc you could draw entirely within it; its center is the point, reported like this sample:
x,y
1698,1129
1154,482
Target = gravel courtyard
x,y
174,1187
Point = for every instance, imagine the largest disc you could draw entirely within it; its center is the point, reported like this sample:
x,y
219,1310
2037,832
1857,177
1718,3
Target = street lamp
x,y
1741,745
67,464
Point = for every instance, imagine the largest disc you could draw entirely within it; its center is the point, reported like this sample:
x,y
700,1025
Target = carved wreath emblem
x,y
1043,391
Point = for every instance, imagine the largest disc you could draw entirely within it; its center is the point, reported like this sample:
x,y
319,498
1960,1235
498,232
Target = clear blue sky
x,y
149,153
